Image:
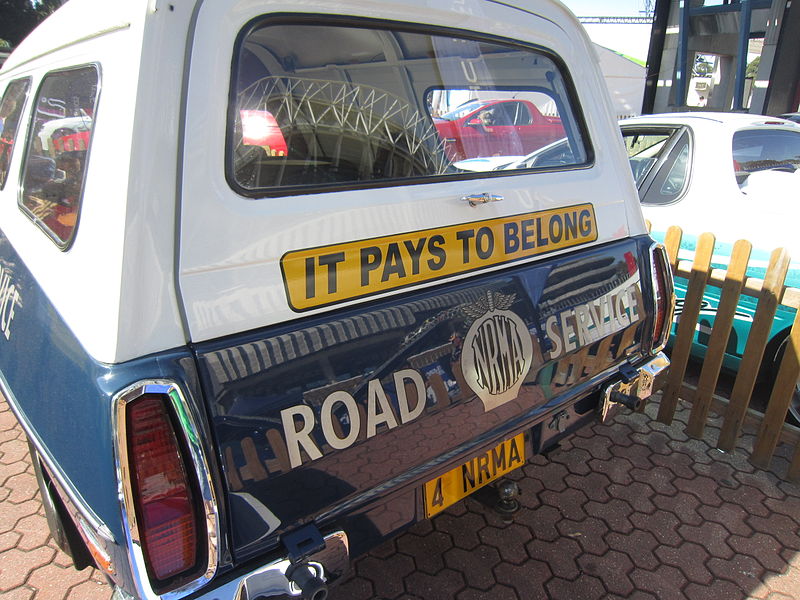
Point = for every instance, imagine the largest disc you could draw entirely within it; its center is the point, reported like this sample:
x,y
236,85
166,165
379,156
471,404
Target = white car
x,y
709,172
736,176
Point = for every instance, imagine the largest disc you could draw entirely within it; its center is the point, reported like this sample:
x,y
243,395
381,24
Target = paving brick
x,y
762,547
23,487
637,545
731,516
702,487
570,503
34,531
589,533
712,536
355,588
16,566
527,579
639,456
496,592
617,470
664,582
541,522
780,527
575,460
658,478
615,513
787,584
560,555
445,584
386,575
690,559
638,495
13,513
426,550
614,568
89,590
463,530
13,451
9,540
717,591
745,571
593,485
510,541
476,565
749,498
584,587
52,581
20,593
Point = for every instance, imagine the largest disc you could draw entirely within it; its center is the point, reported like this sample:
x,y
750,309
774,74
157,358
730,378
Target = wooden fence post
x,y
672,243
754,349
686,326
712,362
779,399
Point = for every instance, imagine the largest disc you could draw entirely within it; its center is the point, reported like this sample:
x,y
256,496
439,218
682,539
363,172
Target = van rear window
x,y
10,110
373,104
57,151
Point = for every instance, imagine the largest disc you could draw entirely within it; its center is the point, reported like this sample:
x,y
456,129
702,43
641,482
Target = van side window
x,y
373,104
10,110
57,151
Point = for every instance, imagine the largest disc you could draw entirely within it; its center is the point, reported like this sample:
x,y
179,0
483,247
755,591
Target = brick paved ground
x,y
631,510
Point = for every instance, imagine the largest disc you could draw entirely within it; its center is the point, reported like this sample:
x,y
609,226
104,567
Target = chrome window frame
x,y
20,129
62,245
578,127
190,430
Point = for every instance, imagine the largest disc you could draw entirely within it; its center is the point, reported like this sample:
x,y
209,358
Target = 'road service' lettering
x,y
331,274
300,422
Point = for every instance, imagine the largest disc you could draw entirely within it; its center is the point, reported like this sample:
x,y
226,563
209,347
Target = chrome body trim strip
x,y
189,428
63,482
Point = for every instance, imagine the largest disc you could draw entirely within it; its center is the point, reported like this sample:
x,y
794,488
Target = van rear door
x,y
338,269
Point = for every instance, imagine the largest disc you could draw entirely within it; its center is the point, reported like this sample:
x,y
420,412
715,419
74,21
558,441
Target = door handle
x,y
486,197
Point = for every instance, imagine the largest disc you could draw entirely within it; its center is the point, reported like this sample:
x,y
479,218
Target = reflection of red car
x,y
496,128
259,128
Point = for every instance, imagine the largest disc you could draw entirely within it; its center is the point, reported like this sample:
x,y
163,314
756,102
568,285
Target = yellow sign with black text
x,y
460,482
330,274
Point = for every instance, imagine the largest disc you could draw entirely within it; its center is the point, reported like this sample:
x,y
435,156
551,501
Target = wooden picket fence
x,y
770,292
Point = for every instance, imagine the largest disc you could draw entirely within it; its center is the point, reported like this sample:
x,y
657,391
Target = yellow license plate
x,y
460,482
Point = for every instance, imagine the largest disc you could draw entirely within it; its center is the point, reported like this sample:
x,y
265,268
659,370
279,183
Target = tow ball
x,y
507,493
307,577
501,498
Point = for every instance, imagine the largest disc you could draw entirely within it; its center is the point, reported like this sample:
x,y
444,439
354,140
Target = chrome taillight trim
x,y
190,430
658,254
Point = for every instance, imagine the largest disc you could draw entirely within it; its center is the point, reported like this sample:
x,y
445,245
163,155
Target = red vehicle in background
x,y
496,128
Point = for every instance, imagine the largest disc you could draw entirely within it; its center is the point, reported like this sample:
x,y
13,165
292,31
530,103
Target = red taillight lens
x,y
168,523
664,300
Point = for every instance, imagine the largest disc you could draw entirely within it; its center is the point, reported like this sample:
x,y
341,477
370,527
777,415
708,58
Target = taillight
x,y
168,520
663,292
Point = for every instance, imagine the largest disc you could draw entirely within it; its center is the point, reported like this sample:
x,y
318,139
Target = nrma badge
x,y
497,352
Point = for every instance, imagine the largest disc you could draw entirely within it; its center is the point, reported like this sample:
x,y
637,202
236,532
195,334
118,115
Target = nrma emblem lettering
x,y
497,353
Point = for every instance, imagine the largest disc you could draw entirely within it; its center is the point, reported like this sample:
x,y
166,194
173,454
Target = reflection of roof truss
x,y
346,110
